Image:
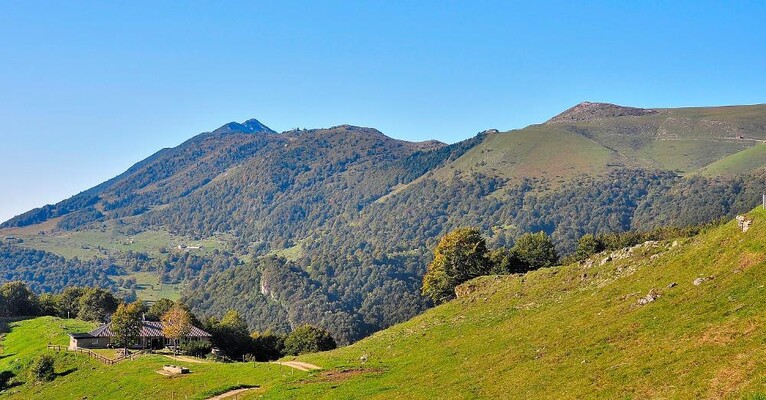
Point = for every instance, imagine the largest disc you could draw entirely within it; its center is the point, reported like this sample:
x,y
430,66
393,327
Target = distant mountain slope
x,y
750,159
166,175
592,138
300,181
581,331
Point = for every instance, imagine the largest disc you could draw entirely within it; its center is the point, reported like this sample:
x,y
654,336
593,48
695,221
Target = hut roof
x,y
148,329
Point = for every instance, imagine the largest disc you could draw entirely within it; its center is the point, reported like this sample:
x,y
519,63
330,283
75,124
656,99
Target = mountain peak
x,y
250,126
588,111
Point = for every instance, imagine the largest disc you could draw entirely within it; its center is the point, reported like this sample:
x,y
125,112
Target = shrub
x,y
196,348
308,339
41,369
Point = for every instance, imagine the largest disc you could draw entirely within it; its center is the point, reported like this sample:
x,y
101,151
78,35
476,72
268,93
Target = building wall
x,y
90,343
103,342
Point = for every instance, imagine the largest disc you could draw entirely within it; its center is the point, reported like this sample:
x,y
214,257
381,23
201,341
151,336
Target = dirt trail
x,y
302,366
188,359
232,393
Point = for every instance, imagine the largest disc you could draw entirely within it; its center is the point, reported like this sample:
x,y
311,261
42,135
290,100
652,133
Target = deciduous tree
x,y
126,324
536,250
460,255
308,339
158,309
96,304
176,324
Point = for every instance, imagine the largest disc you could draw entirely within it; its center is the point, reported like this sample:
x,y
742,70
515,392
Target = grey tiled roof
x,y
148,329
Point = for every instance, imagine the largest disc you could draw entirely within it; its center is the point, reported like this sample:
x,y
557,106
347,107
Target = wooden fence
x,y
94,355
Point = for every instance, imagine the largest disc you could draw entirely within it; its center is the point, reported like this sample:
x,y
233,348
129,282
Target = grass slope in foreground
x,y
579,332
79,377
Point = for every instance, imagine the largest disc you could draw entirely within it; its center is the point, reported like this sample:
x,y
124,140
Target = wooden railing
x,y
94,355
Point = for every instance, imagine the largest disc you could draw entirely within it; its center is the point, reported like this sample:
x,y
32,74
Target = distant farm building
x,y
187,248
150,337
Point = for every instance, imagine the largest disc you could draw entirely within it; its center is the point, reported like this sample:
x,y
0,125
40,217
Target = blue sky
x,y
89,88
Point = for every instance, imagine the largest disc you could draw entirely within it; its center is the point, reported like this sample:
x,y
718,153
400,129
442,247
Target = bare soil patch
x,y
299,365
342,375
232,393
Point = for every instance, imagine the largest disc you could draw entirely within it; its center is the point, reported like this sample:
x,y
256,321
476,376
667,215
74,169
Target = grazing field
x,y
739,163
81,377
90,243
150,288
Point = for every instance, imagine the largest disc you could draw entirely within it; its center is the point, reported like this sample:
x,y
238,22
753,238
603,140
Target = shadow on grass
x,y
65,373
5,378
6,355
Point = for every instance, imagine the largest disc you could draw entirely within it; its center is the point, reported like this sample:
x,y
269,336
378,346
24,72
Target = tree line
x,y
230,334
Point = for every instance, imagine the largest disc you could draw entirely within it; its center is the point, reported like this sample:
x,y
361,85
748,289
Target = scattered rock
x,y
672,285
699,281
650,297
606,260
744,223
675,243
654,256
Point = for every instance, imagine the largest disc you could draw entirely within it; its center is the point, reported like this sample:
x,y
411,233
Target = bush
x,y
536,250
41,369
196,348
268,346
308,339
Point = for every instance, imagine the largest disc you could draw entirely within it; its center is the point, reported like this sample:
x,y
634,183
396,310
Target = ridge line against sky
x,y
90,88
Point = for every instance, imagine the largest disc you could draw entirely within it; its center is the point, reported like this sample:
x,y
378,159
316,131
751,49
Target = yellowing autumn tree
x,y
176,324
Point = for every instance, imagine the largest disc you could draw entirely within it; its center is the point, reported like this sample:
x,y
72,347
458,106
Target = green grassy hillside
x,y
537,151
79,377
592,137
739,163
576,331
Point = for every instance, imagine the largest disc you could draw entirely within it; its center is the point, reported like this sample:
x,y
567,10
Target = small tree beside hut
x,y
126,324
176,324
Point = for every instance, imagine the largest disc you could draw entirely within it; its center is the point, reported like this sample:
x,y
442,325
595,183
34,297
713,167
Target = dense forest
x,y
47,272
375,282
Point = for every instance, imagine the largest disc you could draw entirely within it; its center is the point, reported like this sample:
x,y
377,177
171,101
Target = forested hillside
x,y
335,226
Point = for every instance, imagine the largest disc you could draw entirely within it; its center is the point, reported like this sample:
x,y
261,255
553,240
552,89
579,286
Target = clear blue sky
x,y
89,88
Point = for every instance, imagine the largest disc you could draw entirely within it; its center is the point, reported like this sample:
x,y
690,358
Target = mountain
x,y
249,126
335,226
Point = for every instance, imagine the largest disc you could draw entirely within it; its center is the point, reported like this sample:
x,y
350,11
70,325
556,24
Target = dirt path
x,y
302,366
188,359
232,393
